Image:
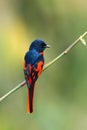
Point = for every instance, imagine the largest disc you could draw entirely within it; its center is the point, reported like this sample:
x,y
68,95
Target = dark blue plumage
x,y
33,65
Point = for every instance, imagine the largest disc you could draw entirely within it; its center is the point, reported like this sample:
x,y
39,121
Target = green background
x,y
60,101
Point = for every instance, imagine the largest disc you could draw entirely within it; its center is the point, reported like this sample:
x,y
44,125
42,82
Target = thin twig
x,y
13,90
81,38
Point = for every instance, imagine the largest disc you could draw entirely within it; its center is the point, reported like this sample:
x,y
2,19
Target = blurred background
x,y
61,94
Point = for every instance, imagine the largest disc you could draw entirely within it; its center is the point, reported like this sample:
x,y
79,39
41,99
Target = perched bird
x,y
33,65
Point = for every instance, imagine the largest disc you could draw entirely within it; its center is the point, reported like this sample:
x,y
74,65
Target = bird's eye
x,y
43,44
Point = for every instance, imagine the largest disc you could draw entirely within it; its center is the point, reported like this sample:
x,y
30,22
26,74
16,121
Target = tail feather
x,y
30,102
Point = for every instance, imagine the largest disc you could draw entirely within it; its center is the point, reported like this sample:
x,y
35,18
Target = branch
x,y
81,38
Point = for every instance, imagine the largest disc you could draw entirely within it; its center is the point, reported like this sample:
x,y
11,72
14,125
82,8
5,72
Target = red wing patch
x,y
39,68
31,74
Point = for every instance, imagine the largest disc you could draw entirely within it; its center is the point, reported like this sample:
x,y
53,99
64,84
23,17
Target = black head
x,y
39,45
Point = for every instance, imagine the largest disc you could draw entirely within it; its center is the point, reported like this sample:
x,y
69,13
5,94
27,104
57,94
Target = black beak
x,y
48,46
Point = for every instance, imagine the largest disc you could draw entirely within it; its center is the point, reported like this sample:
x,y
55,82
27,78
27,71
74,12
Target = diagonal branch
x,y
81,38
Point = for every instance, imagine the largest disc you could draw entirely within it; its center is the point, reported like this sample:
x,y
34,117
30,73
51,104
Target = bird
x,y
33,66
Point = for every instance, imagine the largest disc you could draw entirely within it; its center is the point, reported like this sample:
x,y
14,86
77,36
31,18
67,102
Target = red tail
x,y
30,102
